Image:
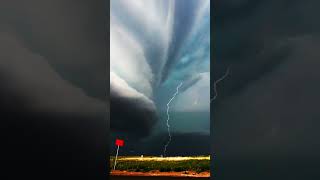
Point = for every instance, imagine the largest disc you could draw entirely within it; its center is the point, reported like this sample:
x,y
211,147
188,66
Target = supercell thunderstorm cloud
x,y
154,46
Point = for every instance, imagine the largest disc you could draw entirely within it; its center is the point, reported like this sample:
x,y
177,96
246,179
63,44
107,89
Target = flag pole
x,y
115,161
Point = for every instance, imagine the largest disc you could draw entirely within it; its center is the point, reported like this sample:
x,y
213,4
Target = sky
x,y
155,46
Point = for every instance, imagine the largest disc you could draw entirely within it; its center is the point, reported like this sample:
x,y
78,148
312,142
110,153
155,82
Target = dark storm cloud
x,y
132,116
52,56
266,115
267,108
231,10
53,75
29,76
133,113
273,111
67,34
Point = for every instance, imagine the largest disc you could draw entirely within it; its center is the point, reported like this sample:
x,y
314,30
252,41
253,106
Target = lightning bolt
x,y
216,83
168,118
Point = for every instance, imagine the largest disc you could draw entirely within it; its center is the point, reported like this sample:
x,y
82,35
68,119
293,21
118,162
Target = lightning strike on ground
x,y
168,118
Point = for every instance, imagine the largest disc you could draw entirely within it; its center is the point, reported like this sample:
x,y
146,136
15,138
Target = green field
x,y
177,164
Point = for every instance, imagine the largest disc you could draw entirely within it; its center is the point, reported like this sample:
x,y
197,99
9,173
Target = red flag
x,y
119,142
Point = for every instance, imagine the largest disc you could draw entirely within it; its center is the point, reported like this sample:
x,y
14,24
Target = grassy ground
x,y
177,164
